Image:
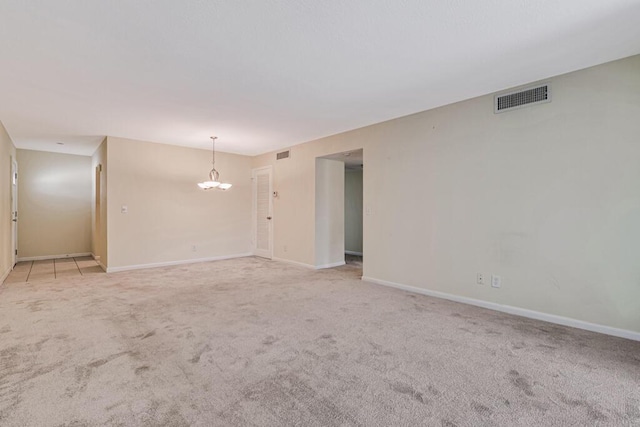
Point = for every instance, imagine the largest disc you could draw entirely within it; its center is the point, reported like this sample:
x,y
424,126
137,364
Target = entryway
x,y
339,209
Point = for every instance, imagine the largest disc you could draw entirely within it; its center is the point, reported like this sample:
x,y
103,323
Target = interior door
x,y
97,226
262,212
14,211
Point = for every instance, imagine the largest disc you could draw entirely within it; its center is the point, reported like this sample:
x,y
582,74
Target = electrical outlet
x,y
285,248
193,248
480,279
124,209
496,281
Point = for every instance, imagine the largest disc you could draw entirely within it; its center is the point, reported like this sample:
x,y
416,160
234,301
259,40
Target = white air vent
x,y
282,155
522,98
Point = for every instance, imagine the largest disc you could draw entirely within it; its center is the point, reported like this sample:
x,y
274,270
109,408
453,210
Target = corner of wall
x,y
99,238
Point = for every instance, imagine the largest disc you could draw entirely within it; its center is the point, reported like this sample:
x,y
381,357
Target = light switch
x,y
496,281
124,209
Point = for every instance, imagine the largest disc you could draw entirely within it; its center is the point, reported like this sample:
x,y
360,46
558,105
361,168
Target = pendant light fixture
x,y
214,175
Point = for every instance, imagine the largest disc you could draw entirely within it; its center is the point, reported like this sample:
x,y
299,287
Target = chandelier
x,y
214,175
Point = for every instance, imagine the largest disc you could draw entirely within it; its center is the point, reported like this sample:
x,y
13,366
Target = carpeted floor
x,y
353,260
253,342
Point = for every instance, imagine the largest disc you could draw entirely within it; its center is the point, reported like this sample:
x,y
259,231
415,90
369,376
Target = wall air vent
x,y
521,98
282,155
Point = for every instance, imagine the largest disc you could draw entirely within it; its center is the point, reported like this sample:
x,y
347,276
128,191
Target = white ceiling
x,y
263,75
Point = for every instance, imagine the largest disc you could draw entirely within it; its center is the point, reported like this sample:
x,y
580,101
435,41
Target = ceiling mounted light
x,y
214,175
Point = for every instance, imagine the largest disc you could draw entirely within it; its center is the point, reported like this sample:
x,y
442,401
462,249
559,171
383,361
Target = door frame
x,y
14,211
97,217
254,212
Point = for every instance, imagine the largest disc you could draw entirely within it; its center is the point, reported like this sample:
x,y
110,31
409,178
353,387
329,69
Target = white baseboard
x,y
169,263
102,266
298,263
97,259
353,253
531,314
44,257
305,265
333,264
5,275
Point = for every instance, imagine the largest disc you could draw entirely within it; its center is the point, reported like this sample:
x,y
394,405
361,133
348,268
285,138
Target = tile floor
x,y
31,271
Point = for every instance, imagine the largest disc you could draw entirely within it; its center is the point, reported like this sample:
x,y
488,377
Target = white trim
x,y
298,263
333,264
353,253
13,197
313,267
97,259
5,275
254,212
43,257
552,318
168,263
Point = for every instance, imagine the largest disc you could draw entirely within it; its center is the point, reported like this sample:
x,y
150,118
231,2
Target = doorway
x,y
97,226
339,209
262,183
14,212
353,212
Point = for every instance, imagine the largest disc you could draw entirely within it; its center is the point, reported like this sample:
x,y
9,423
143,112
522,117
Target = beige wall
x,y
545,196
294,208
54,204
99,204
353,211
329,218
7,152
168,215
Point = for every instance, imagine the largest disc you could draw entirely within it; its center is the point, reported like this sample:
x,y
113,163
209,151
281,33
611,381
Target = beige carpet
x,y
253,342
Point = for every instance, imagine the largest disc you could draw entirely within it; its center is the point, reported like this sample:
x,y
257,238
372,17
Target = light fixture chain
x,y
213,151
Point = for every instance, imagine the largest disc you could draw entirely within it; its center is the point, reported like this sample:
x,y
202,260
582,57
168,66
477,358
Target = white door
x,y
262,212
14,211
